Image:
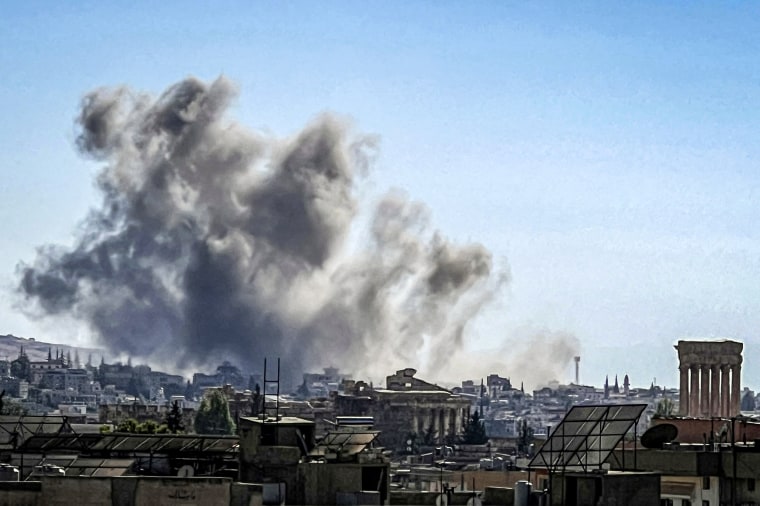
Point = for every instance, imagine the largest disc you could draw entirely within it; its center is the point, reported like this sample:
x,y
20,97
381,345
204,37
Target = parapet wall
x,y
120,491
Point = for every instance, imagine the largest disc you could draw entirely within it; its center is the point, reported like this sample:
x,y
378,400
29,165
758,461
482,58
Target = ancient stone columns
x,y
710,378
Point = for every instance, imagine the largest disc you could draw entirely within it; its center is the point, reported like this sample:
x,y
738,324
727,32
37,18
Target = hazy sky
x,y
605,152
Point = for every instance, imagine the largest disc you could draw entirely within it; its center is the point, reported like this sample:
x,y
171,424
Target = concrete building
x,y
321,384
226,374
606,489
73,380
498,386
131,490
117,413
39,368
281,454
705,475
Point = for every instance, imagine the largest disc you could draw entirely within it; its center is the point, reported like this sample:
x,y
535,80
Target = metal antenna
x,y
276,381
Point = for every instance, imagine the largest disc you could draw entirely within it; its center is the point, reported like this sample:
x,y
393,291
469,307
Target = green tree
x,y
21,368
174,419
525,438
213,416
664,408
147,427
127,425
475,431
13,408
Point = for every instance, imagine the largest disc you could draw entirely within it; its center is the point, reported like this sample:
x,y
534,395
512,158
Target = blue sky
x,y
605,151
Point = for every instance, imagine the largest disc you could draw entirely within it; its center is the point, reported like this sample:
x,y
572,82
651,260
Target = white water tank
x,y
522,492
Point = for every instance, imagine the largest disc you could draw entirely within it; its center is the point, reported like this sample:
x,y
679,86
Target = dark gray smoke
x,y
212,242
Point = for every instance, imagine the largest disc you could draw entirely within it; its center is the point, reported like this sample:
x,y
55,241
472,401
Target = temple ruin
x,y
710,378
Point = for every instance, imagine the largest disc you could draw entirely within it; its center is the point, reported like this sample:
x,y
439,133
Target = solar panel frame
x,y
586,436
15,430
345,443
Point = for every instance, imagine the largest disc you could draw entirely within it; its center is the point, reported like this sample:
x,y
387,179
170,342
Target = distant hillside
x,y
10,346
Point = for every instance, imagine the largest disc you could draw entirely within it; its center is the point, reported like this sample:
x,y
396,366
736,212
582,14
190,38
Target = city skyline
x,y
602,154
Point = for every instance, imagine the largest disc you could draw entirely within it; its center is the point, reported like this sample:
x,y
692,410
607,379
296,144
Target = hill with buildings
x,y
10,347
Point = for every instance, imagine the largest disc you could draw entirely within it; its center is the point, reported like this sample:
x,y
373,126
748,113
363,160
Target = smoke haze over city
x,y
213,242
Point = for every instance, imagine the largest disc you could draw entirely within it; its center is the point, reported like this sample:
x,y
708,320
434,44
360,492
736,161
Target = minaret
x,y
482,401
626,385
606,387
616,388
577,372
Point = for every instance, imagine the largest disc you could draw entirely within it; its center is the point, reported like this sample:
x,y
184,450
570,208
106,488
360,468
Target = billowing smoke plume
x,y
212,242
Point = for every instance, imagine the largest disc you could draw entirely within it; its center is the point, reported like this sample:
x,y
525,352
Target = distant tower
x,y
626,385
577,372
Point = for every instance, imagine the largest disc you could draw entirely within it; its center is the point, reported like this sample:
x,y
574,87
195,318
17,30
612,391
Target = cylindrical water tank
x,y
522,492
8,473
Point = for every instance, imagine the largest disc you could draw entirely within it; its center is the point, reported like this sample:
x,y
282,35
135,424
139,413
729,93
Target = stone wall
x,y
399,414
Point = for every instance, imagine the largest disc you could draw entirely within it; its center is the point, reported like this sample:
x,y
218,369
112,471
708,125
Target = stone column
x,y
694,391
725,393
736,402
715,391
704,385
683,392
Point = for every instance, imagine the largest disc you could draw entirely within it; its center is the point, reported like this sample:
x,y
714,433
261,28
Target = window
x,y
705,502
705,483
685,502
751,484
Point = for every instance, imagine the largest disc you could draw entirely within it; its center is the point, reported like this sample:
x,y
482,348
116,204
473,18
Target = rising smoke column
x,y
212,242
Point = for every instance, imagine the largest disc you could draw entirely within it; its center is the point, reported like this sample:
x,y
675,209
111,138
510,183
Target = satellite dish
x,y
441,500
186,471
474,501
655,437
